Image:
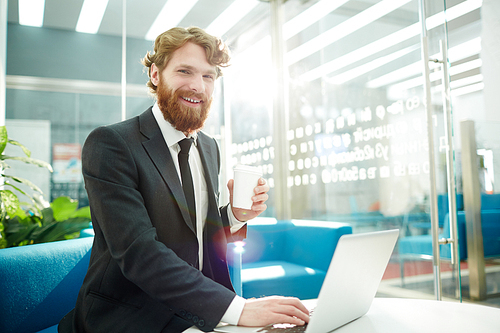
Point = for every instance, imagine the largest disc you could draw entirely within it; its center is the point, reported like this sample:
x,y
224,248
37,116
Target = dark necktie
x,y
187,179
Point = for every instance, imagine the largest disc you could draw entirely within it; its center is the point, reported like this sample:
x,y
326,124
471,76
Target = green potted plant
x,y
36,221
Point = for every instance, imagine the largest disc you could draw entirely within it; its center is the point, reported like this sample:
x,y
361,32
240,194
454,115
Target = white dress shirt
x,y
172,137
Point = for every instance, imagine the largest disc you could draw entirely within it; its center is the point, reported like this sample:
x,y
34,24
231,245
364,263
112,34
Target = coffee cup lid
x,y
248,168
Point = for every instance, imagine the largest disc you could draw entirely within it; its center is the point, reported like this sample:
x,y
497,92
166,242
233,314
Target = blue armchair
x,y
420,247
288,258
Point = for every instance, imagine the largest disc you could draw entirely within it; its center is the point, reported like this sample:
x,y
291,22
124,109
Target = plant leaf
x,y
63,208
58,230
28,160
10,201
4,165
26,151
82,212
3,138
47,216
25,182
13,186
18,234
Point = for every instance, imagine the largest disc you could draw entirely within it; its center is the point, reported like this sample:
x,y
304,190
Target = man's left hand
x,y
259,201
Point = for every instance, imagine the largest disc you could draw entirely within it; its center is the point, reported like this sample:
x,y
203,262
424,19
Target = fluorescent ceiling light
x,y
91,16
369,66
296,24
462,86
232,15
416,68
388,41
343,29
31,12
397,75
457,84
467,90
395,89
170,16
310,16
456,53
464,50
362,53
467,66
452,13
466,81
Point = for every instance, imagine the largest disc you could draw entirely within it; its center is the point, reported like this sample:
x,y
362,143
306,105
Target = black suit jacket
x,y
143,274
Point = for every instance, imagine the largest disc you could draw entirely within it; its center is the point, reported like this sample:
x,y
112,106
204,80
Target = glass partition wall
x,y
331,98
357,131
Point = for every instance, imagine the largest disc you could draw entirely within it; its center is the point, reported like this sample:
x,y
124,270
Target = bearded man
x,y
158,261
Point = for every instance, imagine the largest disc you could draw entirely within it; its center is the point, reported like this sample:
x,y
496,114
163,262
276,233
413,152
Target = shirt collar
x,y
170,134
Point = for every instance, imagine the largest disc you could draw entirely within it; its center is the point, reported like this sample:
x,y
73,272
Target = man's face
x,y
185,88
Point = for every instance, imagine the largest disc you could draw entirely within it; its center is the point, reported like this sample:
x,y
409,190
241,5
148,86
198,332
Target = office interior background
x,y
330,98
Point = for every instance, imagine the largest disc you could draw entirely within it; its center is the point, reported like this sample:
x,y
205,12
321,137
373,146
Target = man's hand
x,y
274,310
258,199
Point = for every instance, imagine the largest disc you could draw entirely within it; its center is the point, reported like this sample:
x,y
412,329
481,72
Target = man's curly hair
x,y
173,39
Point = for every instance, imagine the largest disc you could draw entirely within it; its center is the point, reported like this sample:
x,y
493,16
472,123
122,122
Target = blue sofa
x,y
39,284
288,258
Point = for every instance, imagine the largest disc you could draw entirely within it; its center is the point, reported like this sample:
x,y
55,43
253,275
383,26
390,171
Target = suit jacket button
x,y
195,319
189,316
201,323
183,313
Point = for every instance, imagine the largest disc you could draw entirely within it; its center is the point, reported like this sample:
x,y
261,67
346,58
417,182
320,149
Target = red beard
x,y
183,118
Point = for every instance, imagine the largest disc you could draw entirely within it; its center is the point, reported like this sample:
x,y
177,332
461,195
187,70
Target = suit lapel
x,y
207,159
155,145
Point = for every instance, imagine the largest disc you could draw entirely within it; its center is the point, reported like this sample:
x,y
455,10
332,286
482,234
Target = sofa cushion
x,y
39,283
283,278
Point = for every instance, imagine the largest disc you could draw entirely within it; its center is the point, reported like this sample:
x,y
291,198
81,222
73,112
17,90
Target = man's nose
x,y
197,84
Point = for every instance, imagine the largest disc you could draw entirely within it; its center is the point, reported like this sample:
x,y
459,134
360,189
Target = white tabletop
x,y
396,315
412,315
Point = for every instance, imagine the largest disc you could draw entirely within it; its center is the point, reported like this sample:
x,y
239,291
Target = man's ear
x,y
154,74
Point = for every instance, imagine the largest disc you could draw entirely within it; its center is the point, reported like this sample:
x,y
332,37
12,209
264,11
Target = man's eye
x,y
184,71
210,77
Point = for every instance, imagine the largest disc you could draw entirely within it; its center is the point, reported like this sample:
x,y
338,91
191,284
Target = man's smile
x,y
191,100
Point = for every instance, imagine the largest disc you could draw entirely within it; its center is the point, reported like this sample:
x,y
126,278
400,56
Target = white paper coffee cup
x,y
246,178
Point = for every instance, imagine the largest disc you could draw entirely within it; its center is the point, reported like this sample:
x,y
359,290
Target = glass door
x,y
460,87
474,81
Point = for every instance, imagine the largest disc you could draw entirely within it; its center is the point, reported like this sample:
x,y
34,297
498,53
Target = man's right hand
x,y
273,310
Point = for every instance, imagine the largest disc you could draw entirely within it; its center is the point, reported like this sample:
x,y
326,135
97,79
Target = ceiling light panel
x,y
170,16
394,39
91,15
310,16
232,15
343,29
31,12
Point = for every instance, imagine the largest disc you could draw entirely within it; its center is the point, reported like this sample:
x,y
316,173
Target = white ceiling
x,y
63,14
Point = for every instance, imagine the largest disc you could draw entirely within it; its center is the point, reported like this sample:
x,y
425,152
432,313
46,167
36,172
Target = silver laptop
x,y
350,285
